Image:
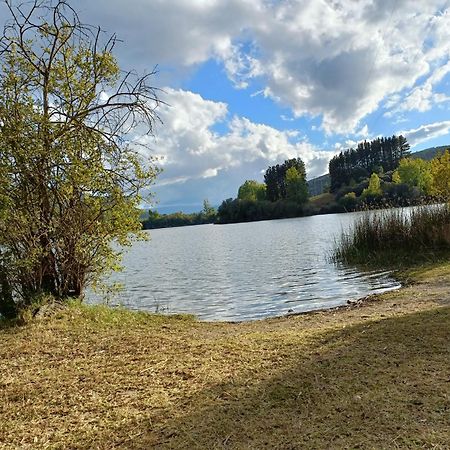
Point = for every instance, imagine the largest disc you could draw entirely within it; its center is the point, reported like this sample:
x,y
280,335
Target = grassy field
x,y
375,375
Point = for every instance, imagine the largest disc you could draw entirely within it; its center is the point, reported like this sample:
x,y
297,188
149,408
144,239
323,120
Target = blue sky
x,y
251,83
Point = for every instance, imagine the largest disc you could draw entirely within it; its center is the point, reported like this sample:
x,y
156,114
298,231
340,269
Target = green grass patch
x,y
74,312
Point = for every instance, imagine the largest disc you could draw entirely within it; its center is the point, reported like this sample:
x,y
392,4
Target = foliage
x,y
70,181
236,210
358,189
275,178
284,194
440,171
414,182
379,155
349,201
416,173
374,188
400,194
396,177
252,190
296,187
285,185
208,212
179,219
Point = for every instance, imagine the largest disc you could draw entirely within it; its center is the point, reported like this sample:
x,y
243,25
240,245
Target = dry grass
x,y
322,199
372,377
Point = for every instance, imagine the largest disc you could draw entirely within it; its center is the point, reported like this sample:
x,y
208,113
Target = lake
x,y
244,271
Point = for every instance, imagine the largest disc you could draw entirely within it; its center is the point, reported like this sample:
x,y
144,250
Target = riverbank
x,y
372,375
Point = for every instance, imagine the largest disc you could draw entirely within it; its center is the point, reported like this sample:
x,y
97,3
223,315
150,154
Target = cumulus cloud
x,y
190,151
336,60
189,147
181,32
423,97
340,59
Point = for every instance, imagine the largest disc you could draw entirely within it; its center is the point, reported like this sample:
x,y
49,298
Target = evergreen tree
x,y
379,155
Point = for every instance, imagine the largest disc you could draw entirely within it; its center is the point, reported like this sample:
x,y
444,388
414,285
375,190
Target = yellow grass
x,y
322,199
375,376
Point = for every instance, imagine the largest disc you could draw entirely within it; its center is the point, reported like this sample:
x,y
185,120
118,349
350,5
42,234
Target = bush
x,y
357,189
349,201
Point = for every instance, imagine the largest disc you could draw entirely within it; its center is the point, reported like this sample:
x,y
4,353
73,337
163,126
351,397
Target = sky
x,y
250,83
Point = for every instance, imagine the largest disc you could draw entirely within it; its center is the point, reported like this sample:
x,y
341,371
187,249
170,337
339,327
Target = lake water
x,y
244,271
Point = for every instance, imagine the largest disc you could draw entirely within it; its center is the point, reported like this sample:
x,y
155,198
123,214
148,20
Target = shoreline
x,y
372,375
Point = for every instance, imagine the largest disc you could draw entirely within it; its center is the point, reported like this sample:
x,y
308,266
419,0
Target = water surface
x,y
244,271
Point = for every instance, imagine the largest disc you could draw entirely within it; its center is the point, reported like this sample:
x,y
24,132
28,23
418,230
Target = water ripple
x,y
244,271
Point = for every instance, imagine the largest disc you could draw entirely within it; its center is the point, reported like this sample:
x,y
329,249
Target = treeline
x,y
180,219
238,210
283,194
414,181
375,174
355,165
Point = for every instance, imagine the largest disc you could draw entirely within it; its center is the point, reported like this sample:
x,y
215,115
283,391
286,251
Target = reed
x,y
401,234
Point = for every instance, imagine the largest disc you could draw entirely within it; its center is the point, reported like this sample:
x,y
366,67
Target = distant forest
x,y
179,219
321,184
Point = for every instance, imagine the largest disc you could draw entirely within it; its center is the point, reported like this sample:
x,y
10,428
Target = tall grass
x,y
390,236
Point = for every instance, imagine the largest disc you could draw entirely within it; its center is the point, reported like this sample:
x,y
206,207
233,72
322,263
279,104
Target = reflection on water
x,y
244,271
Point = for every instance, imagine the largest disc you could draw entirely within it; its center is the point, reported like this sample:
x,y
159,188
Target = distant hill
x,y
317,185
429,153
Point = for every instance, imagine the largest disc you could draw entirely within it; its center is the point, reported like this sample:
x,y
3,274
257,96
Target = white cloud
x,y
363,133
336,60
190,149
426,132
340,59
423,97
184,32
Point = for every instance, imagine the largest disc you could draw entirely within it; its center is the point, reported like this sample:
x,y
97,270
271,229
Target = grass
x,y
322,200
370,377
397,235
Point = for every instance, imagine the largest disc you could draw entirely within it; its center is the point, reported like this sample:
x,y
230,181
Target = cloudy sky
x,y
253,82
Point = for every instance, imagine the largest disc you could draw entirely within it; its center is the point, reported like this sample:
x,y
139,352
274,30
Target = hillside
x,y
317,185
429,153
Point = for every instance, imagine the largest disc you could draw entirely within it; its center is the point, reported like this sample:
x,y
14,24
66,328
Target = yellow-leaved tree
x,y
440,169
416,173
